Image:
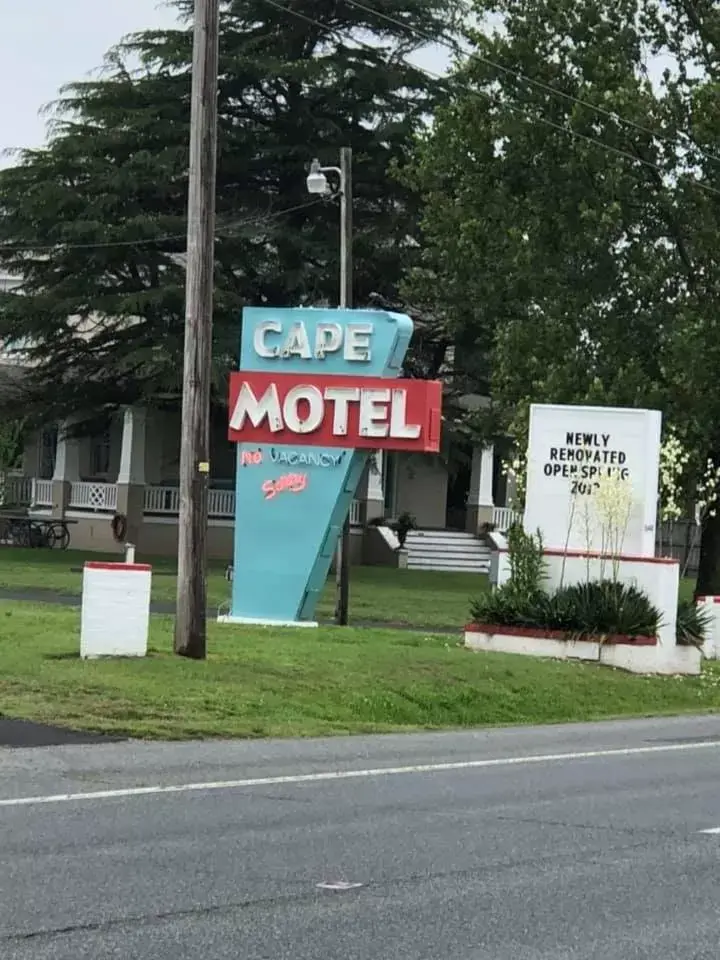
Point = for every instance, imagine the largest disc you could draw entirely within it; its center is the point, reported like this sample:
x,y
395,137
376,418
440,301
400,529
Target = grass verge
x,y
377,594
259,682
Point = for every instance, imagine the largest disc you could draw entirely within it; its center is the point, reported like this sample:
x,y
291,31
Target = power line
x,y
576,134
227,231
454,47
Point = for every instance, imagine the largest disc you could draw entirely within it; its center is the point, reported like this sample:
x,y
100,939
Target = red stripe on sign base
x,y
597,555
141,567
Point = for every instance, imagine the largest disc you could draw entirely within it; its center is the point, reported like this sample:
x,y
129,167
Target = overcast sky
x,y
47,43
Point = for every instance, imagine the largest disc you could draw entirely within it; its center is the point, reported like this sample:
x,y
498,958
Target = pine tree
x,y
95,223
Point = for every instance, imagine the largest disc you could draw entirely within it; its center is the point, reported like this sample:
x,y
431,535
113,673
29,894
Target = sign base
x,y
250,621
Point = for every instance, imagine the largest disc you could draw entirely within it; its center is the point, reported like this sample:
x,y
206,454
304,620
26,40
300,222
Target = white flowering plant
x,y
603,519
683,480
706,503
515,471
674,467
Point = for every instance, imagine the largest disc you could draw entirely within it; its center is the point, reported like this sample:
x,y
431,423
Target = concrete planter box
x,y
635,654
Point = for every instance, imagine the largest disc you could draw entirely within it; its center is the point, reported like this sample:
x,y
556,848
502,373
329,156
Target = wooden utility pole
x,y
346,272
190,631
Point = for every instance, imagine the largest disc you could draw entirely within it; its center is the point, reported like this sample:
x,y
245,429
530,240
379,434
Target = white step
x,y
449,550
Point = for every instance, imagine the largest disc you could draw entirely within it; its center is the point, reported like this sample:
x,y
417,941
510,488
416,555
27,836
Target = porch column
x,y
131,473
480,496
67,467
370,489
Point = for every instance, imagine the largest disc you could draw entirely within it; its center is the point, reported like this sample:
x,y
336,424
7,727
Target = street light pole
x,y
342,563
190,627
317,183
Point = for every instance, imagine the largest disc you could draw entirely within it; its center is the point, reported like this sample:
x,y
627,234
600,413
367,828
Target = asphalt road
x,y
578,842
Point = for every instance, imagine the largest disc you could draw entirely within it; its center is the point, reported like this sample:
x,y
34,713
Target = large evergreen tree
x,y
95,223
572,208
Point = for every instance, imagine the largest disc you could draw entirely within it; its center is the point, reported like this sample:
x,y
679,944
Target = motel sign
x,y
317,390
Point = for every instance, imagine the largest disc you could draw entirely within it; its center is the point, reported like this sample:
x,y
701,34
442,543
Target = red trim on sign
x,y
597,555
713,598
96,565
537,634
417,403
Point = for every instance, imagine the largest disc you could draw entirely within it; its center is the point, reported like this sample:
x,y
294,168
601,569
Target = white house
x,y
132,470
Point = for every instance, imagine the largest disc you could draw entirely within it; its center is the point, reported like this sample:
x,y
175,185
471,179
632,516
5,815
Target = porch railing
x,y
93,496
221,503
16,490
42,493
504,517
162,500
165,501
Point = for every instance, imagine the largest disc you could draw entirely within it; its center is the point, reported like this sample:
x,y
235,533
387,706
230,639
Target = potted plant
x,y
402,527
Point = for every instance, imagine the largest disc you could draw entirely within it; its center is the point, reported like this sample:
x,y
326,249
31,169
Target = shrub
x,y
506,607
692,624
599,608
603,607
527,564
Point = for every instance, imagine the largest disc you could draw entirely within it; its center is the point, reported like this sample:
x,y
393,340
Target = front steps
x,y
448,550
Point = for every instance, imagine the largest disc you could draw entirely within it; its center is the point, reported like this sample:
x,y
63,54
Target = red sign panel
x,y
371,413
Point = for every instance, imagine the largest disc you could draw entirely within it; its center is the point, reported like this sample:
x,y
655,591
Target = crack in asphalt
x,y
369,889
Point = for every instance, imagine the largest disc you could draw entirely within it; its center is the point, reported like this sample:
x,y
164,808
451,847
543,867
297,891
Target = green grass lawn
x,y
260,682
377,594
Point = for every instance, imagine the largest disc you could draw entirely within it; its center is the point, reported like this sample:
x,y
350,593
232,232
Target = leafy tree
x,y
572,206
95,223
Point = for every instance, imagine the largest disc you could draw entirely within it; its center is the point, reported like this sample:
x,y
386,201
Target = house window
x,y
100,455
48,450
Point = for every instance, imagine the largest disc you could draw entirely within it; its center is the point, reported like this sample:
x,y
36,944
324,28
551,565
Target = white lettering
x,y
373,413
297,343
382,412
341,397
357,341
328,339
249,407
399,427
261,331
316,409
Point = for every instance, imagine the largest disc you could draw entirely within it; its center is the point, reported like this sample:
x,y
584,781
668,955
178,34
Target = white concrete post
x,y
131,472
132,454
67,457
375,477
480,496
370,489
67,468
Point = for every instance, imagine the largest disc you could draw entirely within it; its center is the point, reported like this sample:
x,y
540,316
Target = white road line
x,y
329,775
711,830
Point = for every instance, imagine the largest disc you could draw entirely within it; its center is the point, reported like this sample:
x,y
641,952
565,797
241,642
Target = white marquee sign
x,y
570,450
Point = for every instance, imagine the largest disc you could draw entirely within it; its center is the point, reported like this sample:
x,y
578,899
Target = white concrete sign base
x,y
115,616
658,578
630,657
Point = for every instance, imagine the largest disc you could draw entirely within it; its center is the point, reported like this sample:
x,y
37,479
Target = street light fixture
x,y
317,181
317,184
